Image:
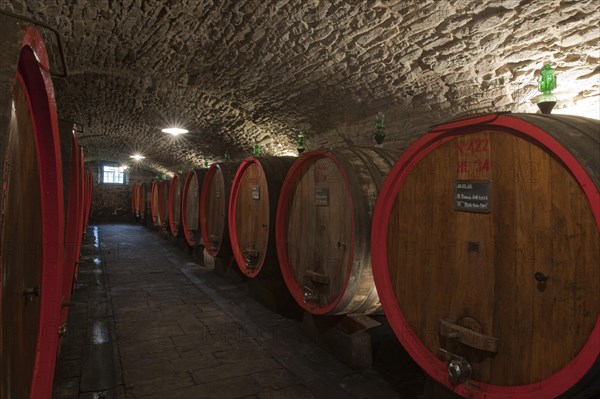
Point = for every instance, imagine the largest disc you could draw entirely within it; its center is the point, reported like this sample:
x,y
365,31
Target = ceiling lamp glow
x,y
137,157
175,131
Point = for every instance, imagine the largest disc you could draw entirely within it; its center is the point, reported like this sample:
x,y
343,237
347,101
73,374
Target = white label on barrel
x,y
255,192
473,196
322,196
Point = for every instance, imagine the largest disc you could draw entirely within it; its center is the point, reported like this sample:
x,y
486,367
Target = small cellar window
x,y
113,174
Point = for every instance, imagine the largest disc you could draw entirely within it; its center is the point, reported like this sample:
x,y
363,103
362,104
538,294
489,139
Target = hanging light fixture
x,y
175,131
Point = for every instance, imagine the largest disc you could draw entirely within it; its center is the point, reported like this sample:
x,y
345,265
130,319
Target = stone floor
x,y
149,322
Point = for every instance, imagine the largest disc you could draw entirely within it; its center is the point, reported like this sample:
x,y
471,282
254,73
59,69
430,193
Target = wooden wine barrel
x,y
72,197
252,210
141,201
81,175
33,234
190,206
322,229
174,205
89,193
154,202
134,190
163,202
214,203
486,249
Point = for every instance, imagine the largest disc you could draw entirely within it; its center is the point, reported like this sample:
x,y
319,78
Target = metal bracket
x,y
58,41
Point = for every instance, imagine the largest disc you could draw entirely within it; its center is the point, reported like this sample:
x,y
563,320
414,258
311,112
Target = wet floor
x,y
149,322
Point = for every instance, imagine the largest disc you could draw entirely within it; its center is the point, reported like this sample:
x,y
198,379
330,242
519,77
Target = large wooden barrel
x,y
322,230
190,206
154,194
252,209
214,203
89,194
134,191
486,249
141,201
71,165
163,202
81,203
174,205
33,235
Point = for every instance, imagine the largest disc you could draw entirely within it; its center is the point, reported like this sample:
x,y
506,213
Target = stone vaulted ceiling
x,y
237,73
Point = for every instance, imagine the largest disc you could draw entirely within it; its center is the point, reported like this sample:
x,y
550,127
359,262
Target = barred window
x,y
113,174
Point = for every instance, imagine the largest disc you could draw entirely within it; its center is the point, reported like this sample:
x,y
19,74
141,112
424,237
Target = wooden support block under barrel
x,y
226,268
344,336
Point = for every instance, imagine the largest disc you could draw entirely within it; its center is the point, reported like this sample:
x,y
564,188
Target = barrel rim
x,y
557,383
281,230
49,155
237,254
174,231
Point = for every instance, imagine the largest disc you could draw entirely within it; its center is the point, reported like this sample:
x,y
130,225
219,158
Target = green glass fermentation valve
x,y
256,150
300,146
206,163
546,101
379,134
226,157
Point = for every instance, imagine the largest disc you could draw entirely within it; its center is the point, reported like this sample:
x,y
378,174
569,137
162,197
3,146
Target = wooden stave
x,y
196,238
34,79
228,171
275,169
584,169
360,259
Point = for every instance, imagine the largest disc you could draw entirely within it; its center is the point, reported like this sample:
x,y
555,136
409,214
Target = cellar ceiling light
x,y
175,131
137,157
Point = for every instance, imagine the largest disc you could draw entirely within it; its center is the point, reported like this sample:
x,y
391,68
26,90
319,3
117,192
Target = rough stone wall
x,y
240,72
111,203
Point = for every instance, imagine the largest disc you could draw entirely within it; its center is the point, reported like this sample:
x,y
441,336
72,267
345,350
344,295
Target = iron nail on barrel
x,y
485,244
